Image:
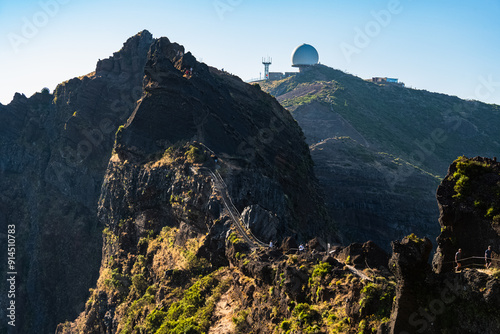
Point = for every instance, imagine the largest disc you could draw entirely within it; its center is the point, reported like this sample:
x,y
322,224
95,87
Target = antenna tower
x,y
266,63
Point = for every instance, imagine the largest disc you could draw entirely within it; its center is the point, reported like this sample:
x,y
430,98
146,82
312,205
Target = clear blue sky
x,y
452,47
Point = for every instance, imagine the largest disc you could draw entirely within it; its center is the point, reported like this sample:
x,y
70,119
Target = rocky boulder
x,y
289,244
316,245
261,222
363,255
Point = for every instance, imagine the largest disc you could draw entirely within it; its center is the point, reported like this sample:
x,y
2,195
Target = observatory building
x,y
303,56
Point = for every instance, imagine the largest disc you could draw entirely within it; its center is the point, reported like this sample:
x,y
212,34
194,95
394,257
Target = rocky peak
x,y
186,101
19,98
363,255
200,148
409,263
410,257
129,61
54,150
167,60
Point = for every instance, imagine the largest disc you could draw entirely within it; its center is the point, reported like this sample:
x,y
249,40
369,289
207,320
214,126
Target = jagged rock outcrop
x,y
253,136
427,302
261,221
409,263
368,254
469,205
443,299
54,150
168,217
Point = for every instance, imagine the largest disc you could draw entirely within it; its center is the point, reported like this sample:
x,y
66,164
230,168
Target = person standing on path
x,y
487,257
458,259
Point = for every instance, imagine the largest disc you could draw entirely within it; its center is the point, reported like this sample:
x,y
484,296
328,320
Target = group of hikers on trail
x,y
300,249
487,258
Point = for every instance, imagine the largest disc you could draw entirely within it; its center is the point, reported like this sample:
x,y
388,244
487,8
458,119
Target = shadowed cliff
x,y
54,150
159,190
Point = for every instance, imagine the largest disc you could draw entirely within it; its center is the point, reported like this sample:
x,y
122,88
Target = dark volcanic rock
x,y
364,255
445,301
294,279
289,244
254,137
469,218
410,257
261,222
160,186
409,264
54,149
316,244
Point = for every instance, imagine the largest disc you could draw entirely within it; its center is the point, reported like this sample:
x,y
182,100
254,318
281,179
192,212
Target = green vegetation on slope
x,y
423,128
475,183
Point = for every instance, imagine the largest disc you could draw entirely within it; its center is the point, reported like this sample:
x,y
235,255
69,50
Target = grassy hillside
x,y
427,129
381,150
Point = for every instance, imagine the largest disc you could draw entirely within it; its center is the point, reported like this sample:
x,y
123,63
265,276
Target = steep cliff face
x,y
469,205
199,142
401,143
445,300
261,150
54,149
426,302
361,195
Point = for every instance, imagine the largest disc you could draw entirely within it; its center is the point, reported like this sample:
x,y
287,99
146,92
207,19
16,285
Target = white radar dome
x,y
304,55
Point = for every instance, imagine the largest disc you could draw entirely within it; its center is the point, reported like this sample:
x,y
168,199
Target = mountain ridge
x,y
108,170
162,215
401,143
54,150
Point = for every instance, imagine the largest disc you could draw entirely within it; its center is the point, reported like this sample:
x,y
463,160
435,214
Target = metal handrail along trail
x,y
235,215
